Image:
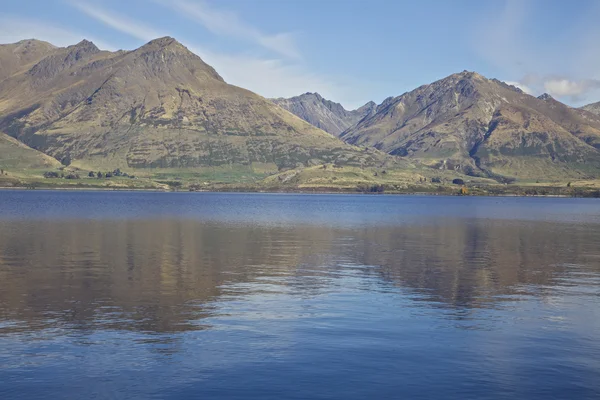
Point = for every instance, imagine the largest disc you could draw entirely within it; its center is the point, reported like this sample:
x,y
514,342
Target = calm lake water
x,y
115,295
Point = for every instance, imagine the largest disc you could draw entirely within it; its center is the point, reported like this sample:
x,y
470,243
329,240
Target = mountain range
x,y
159,106
162,107
481,127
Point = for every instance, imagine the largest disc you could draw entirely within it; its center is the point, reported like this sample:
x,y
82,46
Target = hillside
x,y
159,106
324,114
484,127
14,155
14,57
593,108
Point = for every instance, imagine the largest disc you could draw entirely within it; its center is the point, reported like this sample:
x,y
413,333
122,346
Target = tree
x,y
92,174
99,175
108,175
436,180
117,172
458,181
569,184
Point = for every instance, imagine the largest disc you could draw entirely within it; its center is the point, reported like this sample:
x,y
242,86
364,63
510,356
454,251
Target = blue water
x,y
116,295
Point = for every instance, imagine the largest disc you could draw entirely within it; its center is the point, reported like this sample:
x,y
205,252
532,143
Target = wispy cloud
x,y
117,21
222,22
14,29
269,77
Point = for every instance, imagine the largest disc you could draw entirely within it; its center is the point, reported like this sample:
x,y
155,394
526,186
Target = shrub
x,y
99,175
72,176
51,174
458,181
436,180
92,174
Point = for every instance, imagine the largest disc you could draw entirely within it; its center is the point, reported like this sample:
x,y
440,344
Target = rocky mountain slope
x,y
484,127
324,114
593,108
159,106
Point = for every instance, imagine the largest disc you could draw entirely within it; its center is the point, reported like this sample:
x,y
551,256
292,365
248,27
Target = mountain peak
x,y
166,53
85,45
33,42
163,43
545,97
468,75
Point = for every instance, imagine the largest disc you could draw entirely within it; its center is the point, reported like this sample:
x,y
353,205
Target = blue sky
x,y
349,51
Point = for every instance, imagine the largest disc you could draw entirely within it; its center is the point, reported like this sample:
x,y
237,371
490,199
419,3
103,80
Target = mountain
x,y
484,127
324,114
159,106
593,108
15,56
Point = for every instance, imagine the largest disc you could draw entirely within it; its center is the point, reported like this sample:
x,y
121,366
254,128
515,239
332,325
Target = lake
x,y
123,295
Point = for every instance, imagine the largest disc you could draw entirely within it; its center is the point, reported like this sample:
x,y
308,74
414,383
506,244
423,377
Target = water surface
x,y
198,295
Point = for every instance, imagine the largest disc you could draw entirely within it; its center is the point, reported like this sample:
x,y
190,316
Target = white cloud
x,y
14,29
521,86
225,23
565,64
569,88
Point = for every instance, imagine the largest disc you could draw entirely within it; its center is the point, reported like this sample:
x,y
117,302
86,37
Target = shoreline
x,y
295,191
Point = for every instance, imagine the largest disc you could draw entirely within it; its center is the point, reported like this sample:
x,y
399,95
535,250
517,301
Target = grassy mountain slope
x,y
14,57
14,155
159,106
484,127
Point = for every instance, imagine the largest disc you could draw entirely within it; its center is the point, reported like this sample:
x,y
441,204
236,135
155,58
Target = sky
x,y
350,51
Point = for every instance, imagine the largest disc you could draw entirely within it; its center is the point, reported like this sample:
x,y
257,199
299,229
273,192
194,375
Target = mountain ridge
x,y
156,106
324,114
482,126
594,108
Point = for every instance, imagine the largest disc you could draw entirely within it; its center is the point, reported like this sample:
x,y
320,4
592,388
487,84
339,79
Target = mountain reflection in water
x,y
315,305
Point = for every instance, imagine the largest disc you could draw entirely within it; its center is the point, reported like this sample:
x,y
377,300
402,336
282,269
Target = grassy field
x,y
319,178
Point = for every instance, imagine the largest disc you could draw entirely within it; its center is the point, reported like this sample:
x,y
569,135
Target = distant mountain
x,y
324,114
593,108
159,106
484,127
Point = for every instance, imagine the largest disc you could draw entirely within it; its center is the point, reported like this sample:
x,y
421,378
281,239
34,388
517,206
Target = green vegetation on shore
x,y
316,179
